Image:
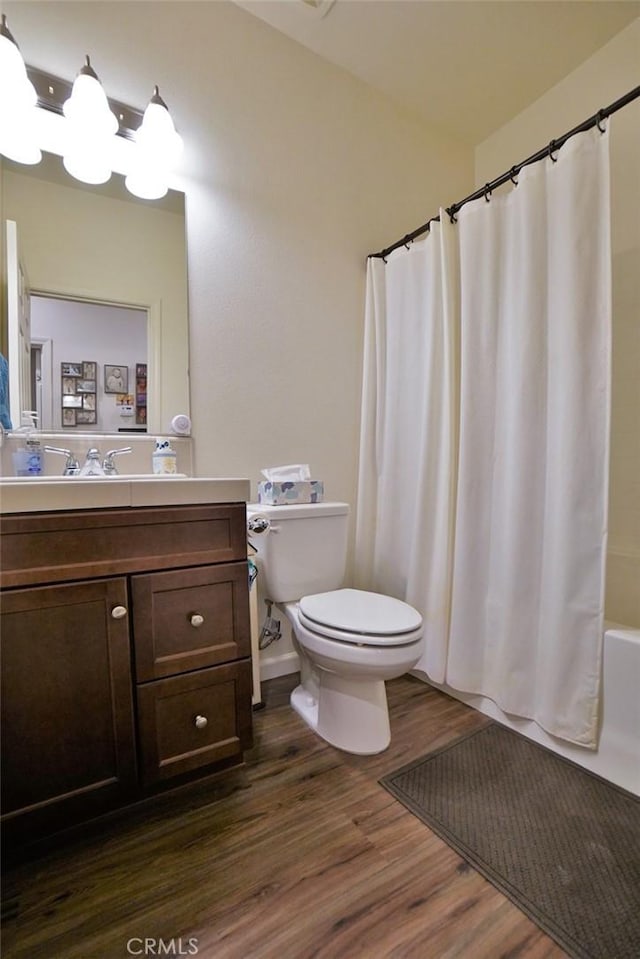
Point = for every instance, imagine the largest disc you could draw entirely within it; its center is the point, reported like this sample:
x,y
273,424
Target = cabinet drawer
x,y
190,721
53,547
189,619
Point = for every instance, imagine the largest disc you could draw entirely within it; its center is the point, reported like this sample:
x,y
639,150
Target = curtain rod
x,y
511,174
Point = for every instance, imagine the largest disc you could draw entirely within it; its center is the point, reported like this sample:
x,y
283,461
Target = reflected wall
x,y
102,245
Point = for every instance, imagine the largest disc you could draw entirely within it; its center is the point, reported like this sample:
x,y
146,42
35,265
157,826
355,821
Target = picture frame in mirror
x,y
116,378
86,417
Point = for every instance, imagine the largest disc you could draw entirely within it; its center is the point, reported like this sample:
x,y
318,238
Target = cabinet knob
x,y
200,722
118,612
196,619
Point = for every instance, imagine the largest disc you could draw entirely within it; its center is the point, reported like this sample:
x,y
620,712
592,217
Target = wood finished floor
x,y
301,855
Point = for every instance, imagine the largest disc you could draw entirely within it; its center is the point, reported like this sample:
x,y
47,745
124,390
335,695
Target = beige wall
x,y
607,75
294,172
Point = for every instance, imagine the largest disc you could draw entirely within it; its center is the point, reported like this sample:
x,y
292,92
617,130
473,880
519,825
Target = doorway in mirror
x,y
76,348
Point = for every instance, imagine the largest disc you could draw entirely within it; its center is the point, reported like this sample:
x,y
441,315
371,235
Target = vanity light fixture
x,y
158,147
90,128
18,100
92,133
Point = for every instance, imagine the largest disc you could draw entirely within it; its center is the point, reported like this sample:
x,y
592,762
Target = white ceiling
x,y
465,66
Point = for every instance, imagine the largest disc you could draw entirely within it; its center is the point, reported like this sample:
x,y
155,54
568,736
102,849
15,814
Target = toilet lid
x,y
373,618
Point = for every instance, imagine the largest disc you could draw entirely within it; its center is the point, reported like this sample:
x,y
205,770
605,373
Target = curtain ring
x,y
487,192
600,117
452,214
514,174
552,147
384,259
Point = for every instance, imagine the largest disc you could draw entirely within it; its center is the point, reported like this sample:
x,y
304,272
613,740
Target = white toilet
x,y
349,641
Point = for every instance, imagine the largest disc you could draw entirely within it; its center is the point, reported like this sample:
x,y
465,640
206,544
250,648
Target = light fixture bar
x,y
53,91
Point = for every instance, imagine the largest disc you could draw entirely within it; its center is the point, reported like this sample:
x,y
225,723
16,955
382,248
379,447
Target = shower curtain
x,y
408,433
493,522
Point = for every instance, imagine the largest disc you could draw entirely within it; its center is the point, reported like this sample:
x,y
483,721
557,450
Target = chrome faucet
x,y
71,467
109,467
92,465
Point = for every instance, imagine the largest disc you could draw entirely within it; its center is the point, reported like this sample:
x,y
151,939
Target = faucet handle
x,y
71,467
109,466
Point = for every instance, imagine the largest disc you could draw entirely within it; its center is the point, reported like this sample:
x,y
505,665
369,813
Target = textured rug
x,y
561,843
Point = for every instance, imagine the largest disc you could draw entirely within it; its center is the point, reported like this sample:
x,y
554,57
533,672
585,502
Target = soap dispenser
x,y
164,458
27,459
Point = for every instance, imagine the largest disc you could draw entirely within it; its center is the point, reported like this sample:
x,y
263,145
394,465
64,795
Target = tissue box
x,y
290,493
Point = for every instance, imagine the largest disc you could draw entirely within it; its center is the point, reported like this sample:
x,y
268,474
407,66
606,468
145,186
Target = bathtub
x,y
617,757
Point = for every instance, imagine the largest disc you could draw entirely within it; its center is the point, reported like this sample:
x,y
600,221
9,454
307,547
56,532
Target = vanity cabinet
x,y
125,657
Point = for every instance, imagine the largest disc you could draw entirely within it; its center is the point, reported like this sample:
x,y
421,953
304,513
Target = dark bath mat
x,y
561,843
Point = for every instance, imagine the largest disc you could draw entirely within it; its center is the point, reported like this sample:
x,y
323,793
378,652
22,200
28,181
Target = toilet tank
x,y
304,551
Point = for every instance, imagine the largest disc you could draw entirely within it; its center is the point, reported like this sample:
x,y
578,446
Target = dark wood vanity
x,y
126,657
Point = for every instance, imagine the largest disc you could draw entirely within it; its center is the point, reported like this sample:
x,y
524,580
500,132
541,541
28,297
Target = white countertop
x,y
37,494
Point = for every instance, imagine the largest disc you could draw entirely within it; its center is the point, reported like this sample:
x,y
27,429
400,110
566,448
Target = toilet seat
x,y
360,617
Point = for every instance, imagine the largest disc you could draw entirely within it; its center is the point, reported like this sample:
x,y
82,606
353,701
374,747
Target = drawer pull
x,y
118,612
200,722
196,619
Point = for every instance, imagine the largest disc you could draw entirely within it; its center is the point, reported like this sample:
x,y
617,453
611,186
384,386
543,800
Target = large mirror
x,y
94,282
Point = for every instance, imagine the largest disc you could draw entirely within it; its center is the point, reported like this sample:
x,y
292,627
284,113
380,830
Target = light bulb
x,y
88,166
146,183
18,100
158,134
88,106
158,147
91,125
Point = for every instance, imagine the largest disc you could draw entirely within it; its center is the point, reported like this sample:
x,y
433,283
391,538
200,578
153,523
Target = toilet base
x,y
347,713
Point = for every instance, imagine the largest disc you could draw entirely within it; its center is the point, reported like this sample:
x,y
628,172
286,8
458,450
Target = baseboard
x,y
273,666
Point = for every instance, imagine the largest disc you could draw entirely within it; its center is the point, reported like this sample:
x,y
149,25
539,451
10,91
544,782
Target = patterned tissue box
x,y
290,493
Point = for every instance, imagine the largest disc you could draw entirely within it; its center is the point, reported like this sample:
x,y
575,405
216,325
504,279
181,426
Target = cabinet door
x,y
68,743
190,619
190,721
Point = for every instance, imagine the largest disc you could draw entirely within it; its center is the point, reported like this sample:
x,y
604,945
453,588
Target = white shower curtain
x,y
504,556
408,440
531,513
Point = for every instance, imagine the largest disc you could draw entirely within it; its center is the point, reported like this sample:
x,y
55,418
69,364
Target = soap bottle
x,y
164,458
28,458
